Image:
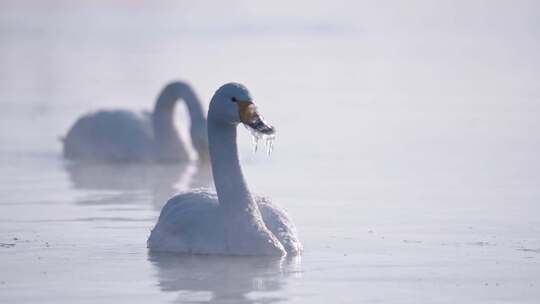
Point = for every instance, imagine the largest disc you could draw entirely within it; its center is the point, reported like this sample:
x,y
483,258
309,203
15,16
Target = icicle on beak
x,y
250,117
256,125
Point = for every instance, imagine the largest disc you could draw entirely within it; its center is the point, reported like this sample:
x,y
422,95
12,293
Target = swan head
x,y
232,104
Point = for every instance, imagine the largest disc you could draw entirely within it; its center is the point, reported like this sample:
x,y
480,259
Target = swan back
x,y
114,135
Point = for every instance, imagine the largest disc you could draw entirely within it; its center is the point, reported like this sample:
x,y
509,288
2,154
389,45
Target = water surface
x,y
406,150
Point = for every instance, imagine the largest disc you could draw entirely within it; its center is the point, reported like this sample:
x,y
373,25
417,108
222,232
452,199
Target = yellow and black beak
x,y
250,117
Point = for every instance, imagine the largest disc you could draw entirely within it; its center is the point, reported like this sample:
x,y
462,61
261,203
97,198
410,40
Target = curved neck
x,y
231,186
163,118
164,108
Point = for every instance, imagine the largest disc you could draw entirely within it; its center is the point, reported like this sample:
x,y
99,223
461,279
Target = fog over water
x,y
406,150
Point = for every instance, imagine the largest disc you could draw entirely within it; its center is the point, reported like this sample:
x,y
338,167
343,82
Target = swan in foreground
x,y
233,221
124,136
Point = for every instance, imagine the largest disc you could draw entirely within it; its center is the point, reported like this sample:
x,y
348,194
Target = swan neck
x,y
164,108
163,118
196,112
163,114
231,187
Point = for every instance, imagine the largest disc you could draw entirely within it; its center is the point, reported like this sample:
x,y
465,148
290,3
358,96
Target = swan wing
x,y
116,135
190,222
279,223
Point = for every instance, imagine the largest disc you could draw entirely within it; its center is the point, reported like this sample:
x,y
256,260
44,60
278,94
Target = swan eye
x,y
233,99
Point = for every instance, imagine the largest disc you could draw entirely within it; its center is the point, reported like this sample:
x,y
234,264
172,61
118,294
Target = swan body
x,y
124,136
231,221
193,222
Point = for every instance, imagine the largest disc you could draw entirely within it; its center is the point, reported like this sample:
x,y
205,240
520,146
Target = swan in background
x,y
124,136
233,221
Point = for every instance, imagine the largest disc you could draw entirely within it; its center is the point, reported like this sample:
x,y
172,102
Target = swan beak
x,y
251,118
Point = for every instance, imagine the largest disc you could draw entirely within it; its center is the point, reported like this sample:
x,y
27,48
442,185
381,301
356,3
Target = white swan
x,y
233,222
120,135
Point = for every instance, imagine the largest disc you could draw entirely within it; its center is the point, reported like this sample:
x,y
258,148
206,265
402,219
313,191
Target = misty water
x,y
406,149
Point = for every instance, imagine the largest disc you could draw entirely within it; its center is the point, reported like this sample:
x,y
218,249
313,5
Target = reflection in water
x,y
133,180
222,279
